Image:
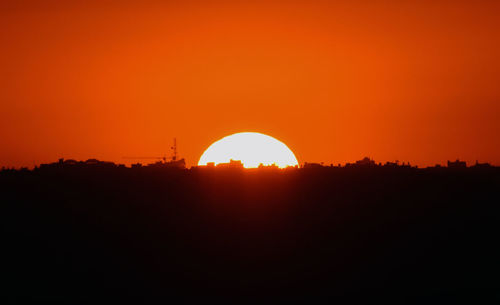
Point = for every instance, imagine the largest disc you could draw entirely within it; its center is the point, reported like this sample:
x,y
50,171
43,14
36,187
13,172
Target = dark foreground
x,y
308,236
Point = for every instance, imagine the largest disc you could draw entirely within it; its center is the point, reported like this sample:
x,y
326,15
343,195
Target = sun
x,y
251,148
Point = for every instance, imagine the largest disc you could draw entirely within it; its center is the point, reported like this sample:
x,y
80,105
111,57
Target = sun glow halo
x,y
251,148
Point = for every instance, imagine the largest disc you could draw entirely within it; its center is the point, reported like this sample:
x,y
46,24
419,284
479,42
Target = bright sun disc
x,y
251,148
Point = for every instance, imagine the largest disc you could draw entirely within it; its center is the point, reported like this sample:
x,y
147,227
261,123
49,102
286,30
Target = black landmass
x,y
361,234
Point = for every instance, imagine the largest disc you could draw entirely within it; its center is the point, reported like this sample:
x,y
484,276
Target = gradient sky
x,y
414,81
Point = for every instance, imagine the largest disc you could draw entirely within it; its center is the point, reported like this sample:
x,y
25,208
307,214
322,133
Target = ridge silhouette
x,y
94,231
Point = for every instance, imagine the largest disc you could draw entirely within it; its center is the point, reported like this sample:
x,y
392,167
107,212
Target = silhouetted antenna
x,y
174,148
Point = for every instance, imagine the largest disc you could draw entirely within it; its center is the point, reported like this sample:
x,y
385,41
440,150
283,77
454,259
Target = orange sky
x,y
415,81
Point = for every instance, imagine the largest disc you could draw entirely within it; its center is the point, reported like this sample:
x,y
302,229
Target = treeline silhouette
x,y
100,233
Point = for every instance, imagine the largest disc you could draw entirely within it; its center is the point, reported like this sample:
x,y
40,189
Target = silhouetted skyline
x,y
81,231
366,162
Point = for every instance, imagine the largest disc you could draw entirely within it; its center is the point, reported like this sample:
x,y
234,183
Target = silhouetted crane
x,y
164,158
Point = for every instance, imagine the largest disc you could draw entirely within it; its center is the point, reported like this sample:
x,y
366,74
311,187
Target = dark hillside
x,y
317,235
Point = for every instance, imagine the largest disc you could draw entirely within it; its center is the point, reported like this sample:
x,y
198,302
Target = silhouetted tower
x,y
174,149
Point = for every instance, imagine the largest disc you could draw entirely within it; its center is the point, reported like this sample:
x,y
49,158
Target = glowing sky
x,y
392,80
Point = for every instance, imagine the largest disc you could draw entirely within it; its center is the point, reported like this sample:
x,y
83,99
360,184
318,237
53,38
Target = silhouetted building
x,y
312,165
136,165
70,163
481,165
179,164
235,164
457,164
365,162
268,167
92,161
391,164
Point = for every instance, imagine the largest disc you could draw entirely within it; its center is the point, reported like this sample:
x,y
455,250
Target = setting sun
x,y
251,148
